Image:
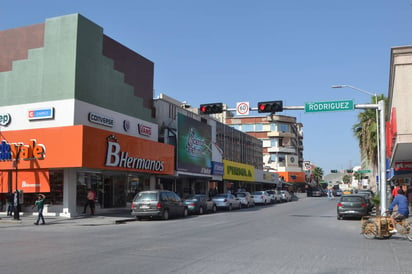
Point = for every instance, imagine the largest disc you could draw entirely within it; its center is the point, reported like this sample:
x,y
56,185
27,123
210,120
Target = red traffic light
x,y
270,106
211,108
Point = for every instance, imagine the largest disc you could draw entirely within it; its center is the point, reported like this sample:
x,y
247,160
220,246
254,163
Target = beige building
x,y
282,139
398,115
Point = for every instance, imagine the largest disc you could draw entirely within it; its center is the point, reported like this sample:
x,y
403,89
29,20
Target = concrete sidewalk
x,y
107,217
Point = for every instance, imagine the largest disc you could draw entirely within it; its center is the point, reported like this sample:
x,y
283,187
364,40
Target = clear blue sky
x,y
235,50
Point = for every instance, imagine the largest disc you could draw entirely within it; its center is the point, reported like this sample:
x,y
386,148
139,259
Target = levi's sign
x,y
329,106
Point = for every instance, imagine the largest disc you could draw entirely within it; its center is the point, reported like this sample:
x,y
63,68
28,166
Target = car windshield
x,y
146,196
220,196
270,191
240,194
257,193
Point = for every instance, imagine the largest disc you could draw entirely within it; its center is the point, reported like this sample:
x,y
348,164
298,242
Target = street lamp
x,y
377,121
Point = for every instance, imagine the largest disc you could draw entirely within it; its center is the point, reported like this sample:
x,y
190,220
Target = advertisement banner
x,y
238,171
194,146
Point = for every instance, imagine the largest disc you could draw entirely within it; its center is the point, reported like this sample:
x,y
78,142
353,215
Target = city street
x,y
296,237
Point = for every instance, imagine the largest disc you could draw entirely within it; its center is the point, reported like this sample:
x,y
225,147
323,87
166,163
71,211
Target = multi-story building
x,y
210,156
282,140
399,126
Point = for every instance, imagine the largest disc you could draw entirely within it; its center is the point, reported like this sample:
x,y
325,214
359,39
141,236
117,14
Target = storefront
x,y
63,162
238,176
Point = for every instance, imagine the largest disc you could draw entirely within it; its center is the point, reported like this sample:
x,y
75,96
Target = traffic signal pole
x,y
343,105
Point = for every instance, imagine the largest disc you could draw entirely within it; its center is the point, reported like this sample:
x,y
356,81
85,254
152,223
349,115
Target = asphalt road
x,y
296,237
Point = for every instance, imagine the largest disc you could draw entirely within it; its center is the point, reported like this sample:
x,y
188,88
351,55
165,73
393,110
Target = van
x,y
161,204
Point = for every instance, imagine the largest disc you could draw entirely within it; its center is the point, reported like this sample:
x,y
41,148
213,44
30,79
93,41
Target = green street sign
x,y
364,171
329,106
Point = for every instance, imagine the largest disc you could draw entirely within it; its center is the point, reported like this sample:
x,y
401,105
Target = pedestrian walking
x,y
10,204
91,196
40,205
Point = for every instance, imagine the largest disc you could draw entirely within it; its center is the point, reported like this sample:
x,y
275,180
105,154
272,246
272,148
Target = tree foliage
x,y
365,130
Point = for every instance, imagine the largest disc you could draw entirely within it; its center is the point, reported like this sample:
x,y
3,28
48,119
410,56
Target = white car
x,y
245,199
261,197
227,201
285,196
274,195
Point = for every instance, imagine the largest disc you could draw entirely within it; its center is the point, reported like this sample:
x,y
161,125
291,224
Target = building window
x,y
283,127
259,127
247,127
274,142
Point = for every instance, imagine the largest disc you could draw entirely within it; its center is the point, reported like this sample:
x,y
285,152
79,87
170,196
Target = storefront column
x,y
152,182
69,193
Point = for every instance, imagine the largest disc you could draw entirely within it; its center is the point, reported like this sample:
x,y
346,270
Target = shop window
x,y
56,187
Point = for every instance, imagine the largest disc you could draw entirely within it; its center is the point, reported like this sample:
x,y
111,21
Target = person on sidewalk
x,y
40,205
403,209
91,196
10,204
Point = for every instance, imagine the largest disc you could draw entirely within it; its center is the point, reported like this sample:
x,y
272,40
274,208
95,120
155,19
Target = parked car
x,y
200,204
245,198
227,201
275,196
261,197
316,192
285,196
352,205
158,204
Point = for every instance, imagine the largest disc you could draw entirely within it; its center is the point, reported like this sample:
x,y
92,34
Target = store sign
x,y
5,119
238,171
115,157
144,130
100,119
403,166
41,114
32,151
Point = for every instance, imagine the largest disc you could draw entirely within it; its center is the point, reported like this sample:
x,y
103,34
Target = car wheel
x,y
201,211
139,218
165,215
214,209
339,217
247,205
185,212
230,207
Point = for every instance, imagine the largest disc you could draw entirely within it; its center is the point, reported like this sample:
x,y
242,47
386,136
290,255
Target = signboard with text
x,y
329,106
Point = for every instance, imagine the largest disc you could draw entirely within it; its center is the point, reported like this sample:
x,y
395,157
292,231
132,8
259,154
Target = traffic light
x,y
270,106
334,171
211,108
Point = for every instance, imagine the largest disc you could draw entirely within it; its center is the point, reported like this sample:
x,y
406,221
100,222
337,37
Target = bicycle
x,y
379,227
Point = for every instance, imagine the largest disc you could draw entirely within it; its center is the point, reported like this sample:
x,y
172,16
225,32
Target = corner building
x,y
76,112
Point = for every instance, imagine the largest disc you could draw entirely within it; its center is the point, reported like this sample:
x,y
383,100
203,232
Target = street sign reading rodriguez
x,y
329,106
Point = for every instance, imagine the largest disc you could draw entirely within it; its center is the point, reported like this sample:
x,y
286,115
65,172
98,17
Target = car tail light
x,y
363,205
159,205
225,200
192,204
133,206
339,204
261,197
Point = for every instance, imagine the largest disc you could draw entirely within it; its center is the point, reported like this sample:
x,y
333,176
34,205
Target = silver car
x,y
285,196
261,197
245,199
274,195
227,201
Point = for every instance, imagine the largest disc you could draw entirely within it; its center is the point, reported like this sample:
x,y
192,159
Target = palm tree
x,y
365,131
317,174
